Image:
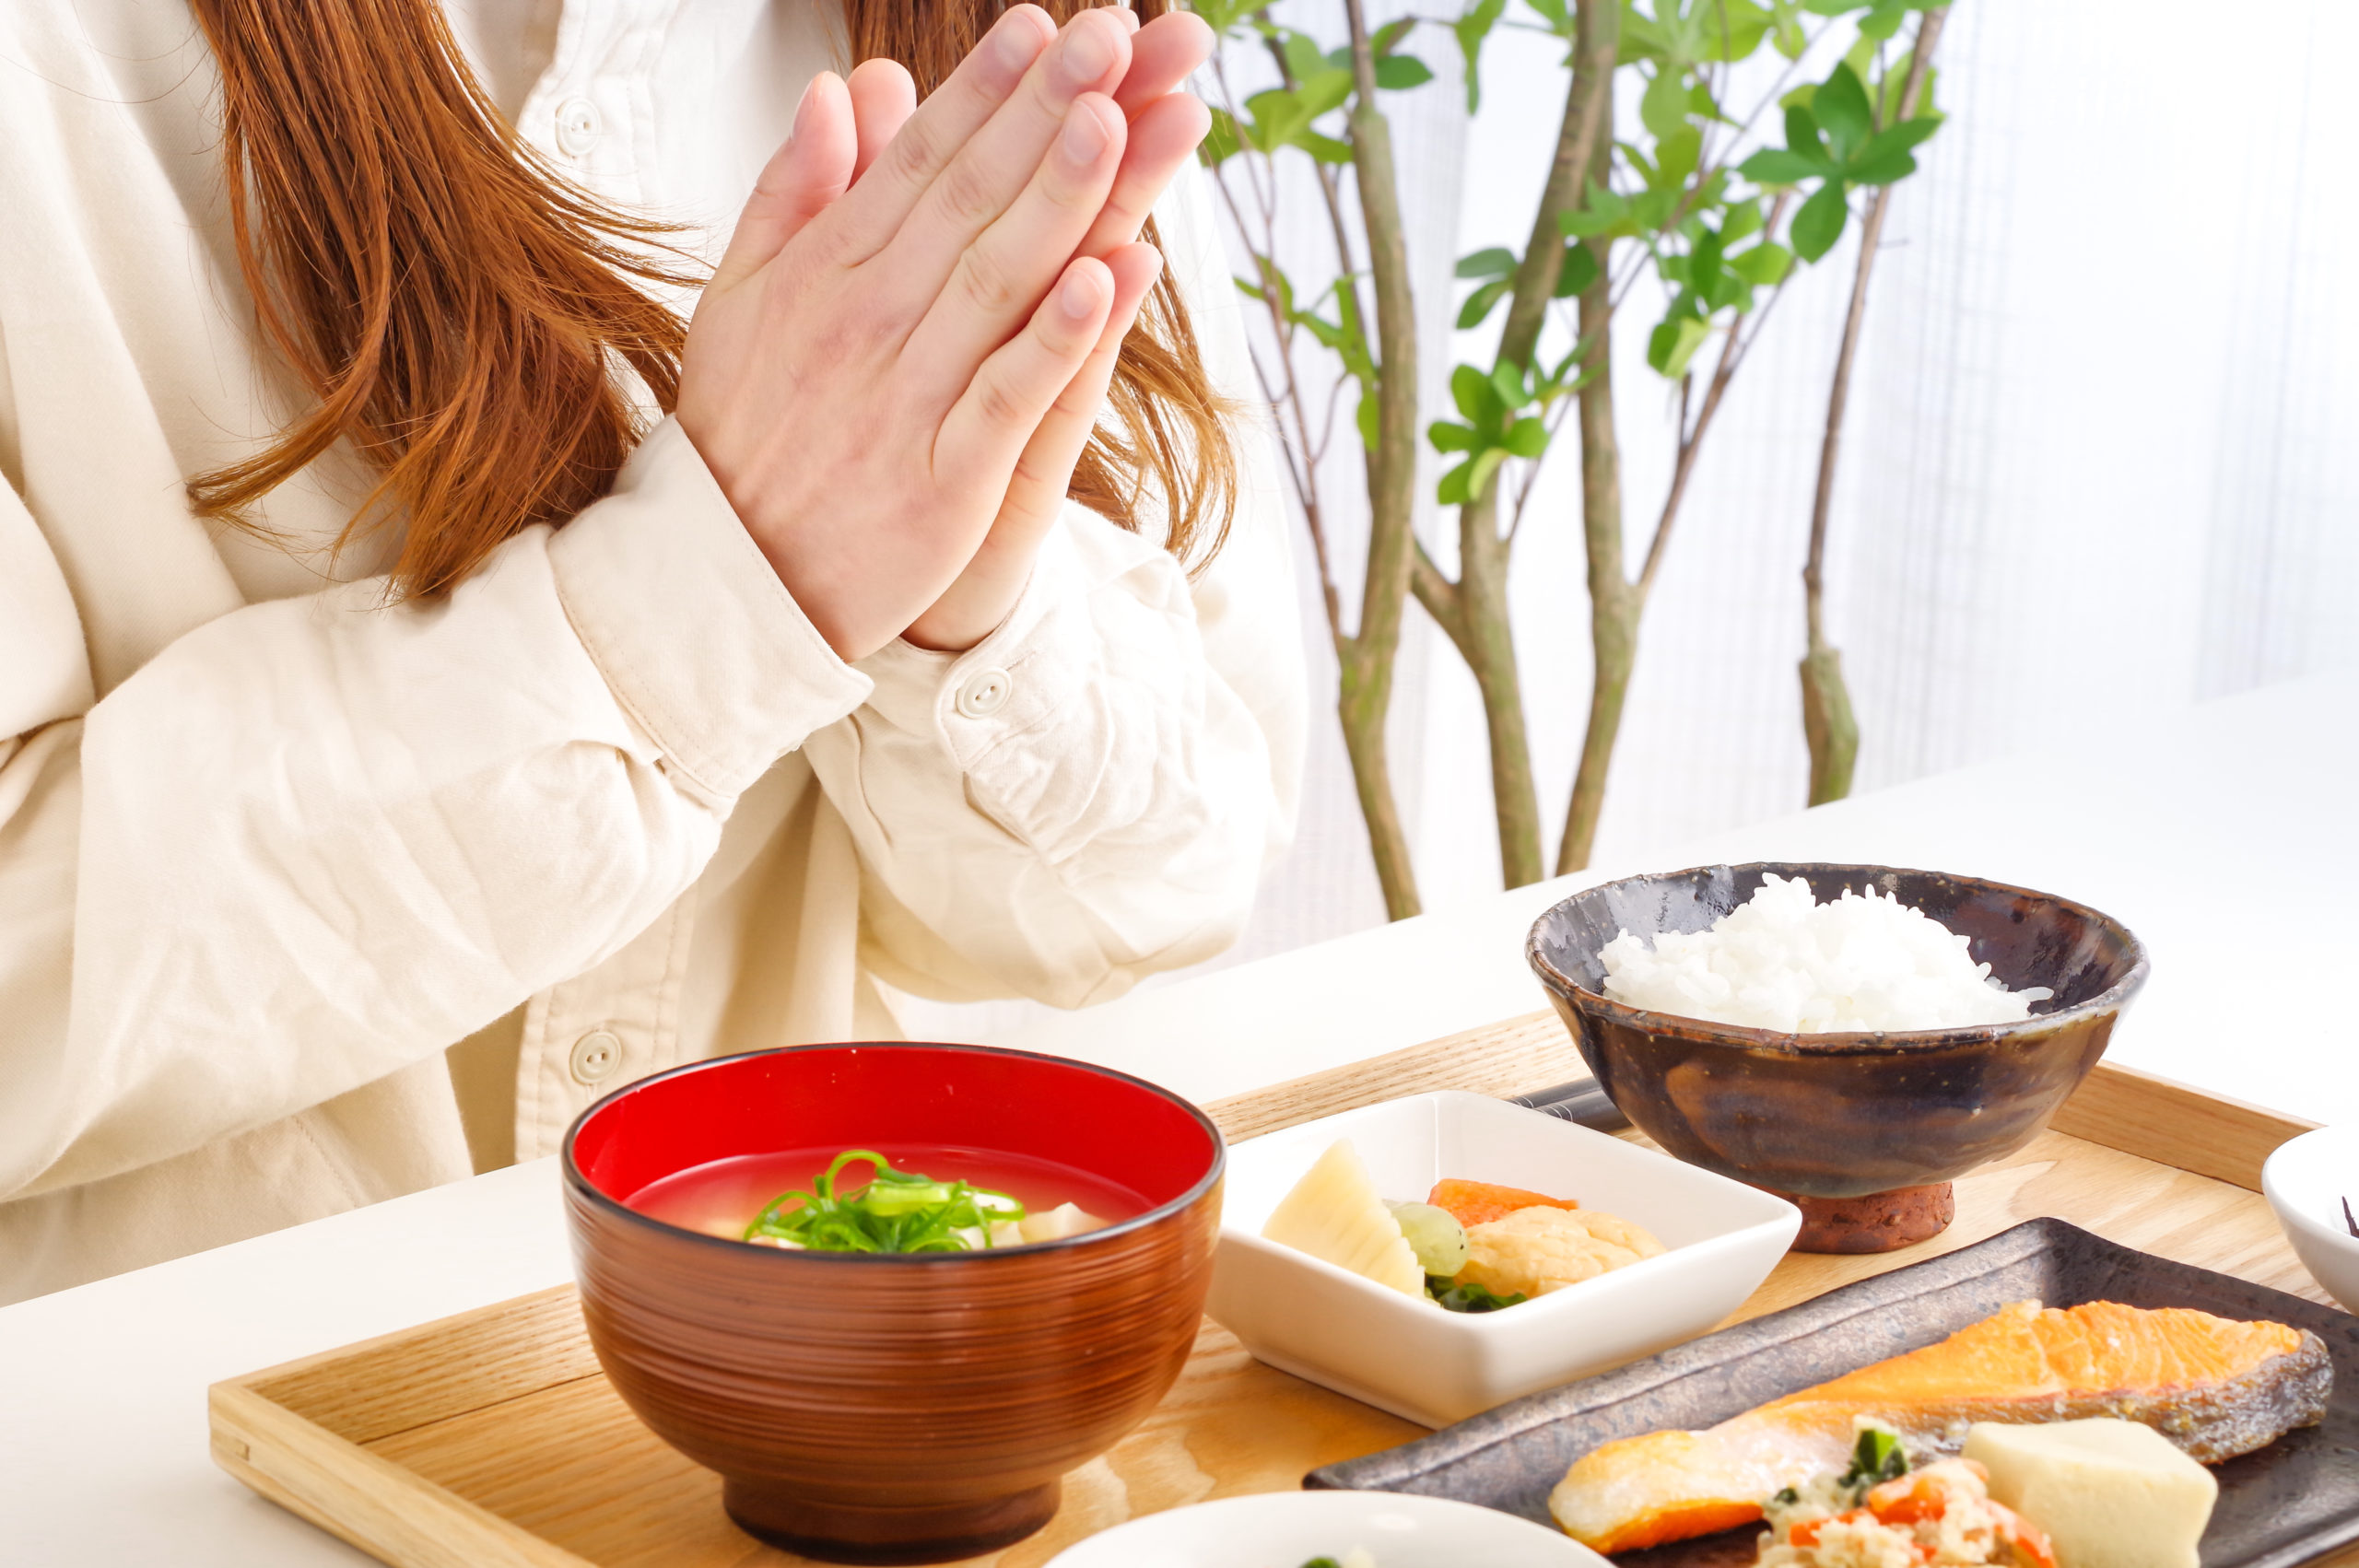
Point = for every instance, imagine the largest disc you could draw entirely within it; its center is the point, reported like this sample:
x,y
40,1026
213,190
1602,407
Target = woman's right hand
x,y
868,364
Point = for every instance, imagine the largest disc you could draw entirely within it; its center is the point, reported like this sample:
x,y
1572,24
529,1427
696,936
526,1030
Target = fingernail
x,y
1085,135
1079,296
1014,44
803,106
1086,54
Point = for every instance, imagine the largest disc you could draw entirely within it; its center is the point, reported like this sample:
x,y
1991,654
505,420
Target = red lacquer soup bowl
x,y
893,1408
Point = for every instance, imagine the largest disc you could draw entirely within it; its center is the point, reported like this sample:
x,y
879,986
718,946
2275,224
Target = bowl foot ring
x,y
777,1515
1877,1221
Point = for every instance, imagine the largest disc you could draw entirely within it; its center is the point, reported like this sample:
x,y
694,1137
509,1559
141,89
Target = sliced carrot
x,y
1479,1202
1908,1500
2031,1543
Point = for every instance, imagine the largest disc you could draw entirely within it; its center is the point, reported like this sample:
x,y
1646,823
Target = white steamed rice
x,y
1784,961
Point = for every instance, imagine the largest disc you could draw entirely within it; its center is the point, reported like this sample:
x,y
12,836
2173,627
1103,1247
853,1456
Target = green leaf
x,y
1303,58
1820,222
1764,265
1652,209
1889,87
1468,1297
1471,391
1450,436
1451,491
1673,343
1326,149
1480,303
1901,137
1496,261
1508,381
1471,28
1604,210
1736,29
1365,421
1663,107
1779,166
1742,219
1396,73
1579,270
1222,141
1801,132
1387,39
1223,15
1676,156
1528,436
1883,19
1840,107
1486,463
1886,156
1325,91
1871,168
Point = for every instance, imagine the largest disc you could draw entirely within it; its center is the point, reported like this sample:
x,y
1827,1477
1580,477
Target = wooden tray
x,y
491,1440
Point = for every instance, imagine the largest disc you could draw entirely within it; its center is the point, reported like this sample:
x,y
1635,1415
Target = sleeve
x,y
1090,794
317,839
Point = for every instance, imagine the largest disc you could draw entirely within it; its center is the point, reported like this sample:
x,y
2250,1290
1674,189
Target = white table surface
x,y
2227,838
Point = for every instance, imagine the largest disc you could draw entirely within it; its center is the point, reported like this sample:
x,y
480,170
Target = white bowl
x,y
1406,1355
1286,1529
2306,1181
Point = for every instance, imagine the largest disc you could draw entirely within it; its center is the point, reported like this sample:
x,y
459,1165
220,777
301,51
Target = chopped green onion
x,y
1877,1456
894,1210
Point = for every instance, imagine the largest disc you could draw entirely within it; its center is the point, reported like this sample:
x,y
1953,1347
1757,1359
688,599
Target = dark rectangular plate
x,y
2292,1501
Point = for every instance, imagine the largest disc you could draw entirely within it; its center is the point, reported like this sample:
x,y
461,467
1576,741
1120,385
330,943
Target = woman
x,y
408,634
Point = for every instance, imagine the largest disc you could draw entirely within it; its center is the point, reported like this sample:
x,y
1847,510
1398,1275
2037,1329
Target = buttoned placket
x,y
591,114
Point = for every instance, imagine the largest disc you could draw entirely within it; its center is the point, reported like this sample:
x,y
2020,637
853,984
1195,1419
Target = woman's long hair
x,y
461,311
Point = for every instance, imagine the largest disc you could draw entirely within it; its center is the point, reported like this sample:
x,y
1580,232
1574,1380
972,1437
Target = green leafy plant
x,y
1698,198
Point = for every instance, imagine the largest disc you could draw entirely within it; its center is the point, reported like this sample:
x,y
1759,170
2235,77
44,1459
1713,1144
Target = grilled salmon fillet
x,y
2215,1388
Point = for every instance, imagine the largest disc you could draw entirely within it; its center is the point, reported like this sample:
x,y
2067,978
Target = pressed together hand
x,y
900,357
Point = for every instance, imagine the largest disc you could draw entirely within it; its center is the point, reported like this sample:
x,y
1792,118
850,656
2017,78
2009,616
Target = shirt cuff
x,y
1015,681
696,635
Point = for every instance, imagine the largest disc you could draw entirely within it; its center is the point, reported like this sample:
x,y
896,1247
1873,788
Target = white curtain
x,y
2102,460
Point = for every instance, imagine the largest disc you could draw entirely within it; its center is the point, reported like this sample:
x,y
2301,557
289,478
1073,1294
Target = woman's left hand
x,y
1165,124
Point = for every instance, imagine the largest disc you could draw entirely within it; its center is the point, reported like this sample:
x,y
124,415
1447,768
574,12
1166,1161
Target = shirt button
x,y
595,1057
579,126
984,693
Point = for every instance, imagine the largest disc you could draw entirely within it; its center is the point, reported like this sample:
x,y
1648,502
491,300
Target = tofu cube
x,y
2109,1493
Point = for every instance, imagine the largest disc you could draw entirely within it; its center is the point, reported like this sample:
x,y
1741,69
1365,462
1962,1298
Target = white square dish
x,y
1408,1356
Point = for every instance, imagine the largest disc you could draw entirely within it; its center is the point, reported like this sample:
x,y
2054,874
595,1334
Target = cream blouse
x,y
269,847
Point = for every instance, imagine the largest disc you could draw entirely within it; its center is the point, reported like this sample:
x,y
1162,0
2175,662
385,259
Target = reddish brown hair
x,y
460,310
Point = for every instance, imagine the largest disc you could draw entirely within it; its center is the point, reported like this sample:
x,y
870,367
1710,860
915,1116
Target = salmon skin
x,y
2215,1388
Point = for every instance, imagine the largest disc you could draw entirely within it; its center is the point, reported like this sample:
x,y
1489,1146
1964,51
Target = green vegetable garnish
x,y
1468,1297
1877,1456
892,1211
1322,1563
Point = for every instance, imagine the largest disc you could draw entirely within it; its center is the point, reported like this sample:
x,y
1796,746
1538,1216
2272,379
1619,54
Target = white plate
x,y
2306,1181
1404,1354
1286,1529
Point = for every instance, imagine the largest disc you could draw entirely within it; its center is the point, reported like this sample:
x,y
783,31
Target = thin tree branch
x,y
1838,397
1440,598
1732,352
